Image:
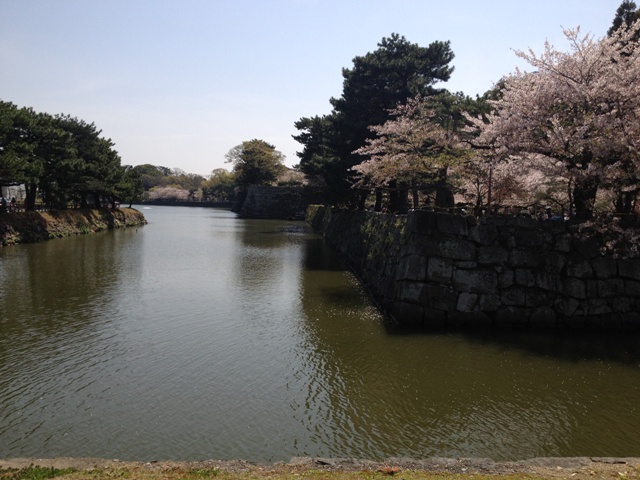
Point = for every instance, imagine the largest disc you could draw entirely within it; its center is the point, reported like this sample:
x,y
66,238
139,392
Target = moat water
x,y
205,336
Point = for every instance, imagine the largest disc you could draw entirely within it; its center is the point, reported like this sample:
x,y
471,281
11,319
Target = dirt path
x,y
574,468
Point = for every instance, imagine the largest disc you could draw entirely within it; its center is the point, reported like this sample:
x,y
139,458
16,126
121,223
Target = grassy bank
x,y
29,227
314,469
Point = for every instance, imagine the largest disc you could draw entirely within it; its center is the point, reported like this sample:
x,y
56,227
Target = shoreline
x,y
31,227
545,467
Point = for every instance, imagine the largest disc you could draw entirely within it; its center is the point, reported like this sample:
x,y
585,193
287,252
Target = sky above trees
x,y
179,83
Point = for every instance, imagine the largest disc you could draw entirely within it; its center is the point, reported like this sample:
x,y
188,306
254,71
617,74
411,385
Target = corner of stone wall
x,y
435,268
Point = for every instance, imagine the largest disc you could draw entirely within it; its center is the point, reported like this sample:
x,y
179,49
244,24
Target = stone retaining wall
x,y
440,269
277,202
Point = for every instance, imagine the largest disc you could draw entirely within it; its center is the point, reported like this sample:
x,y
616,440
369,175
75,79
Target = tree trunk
x,y
398,198
625,206
584,197
30,198
625,202
444,196
378,206
362,199
415,197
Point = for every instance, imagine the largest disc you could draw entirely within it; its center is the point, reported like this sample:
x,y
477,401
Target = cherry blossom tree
x,y
580,110
415,149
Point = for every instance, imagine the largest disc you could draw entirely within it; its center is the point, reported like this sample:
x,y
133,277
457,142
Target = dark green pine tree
x,y
627,13
377,82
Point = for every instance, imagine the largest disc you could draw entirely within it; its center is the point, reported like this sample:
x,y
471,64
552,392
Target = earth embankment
x,y
29,227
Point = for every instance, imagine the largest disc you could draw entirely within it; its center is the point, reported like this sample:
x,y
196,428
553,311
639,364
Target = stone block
x,y
563,243
489,302
475,281
467,302
622,305
587,247
412,267
506,279
554,261
554,226
578,267
439,269
514,297
598,306
604,266
632,288
419,244
548,281
525,277
452,224
611,287
509,240
567,307
492,255
421,221
409,291
465,264
629,268
484,234
574,288
439,297
456,249
523,258
387,286
536,239
537,298
497,220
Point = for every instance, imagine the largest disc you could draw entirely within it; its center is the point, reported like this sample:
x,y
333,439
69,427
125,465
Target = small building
x,y
10,191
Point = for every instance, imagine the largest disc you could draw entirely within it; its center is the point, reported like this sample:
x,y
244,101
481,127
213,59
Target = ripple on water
x,y
205,336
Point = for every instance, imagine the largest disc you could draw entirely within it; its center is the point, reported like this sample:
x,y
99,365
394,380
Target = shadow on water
x,y
563,345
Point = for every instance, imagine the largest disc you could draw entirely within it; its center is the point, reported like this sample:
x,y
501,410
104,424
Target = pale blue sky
x,y
179,83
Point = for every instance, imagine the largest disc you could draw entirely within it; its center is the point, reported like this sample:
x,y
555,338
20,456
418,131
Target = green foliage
x,y
377,83
34,473
626,14
130,187
219,186
60,157
255,162
204,473
318,137
152,175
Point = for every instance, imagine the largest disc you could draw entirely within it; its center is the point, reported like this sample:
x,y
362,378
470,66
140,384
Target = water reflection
x,y
491,394
204,336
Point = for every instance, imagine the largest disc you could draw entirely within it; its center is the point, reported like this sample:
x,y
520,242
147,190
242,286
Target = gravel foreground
x,y
550,467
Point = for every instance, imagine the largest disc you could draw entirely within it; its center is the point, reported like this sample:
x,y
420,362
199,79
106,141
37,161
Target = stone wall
x,y
439,269
277,202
